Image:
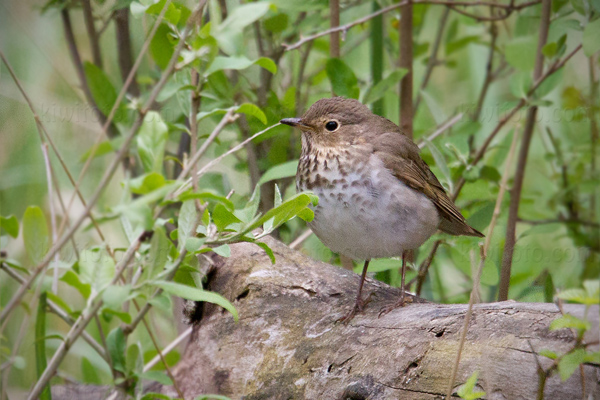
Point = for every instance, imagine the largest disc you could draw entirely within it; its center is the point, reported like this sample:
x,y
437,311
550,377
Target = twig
x,y
124,48
227,118
52,213
216,160
162,358
168,349
515,194
344,28
103,181
377,50
559,221
334,21
489,75
405,60
483,255
433,60
441,129
88,18
300,239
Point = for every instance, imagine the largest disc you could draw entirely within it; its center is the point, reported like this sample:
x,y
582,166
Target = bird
x,y
377,197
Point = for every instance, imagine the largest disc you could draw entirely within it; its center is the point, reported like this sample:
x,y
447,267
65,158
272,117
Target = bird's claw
x,y
400,303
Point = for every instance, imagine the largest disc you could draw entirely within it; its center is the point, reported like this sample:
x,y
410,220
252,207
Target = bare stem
x,y
513,211
405,30
88,17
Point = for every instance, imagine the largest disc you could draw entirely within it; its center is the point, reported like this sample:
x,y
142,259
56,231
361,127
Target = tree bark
x,y
287,344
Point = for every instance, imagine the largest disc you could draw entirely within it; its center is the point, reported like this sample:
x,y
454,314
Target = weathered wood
x,y
287,344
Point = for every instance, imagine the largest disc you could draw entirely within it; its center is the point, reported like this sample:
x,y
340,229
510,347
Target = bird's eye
x,y
331,126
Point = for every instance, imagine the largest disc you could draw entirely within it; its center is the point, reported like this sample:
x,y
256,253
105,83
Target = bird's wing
x,y
401,156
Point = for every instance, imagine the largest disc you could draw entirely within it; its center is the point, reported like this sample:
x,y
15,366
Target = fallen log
x,y
287,344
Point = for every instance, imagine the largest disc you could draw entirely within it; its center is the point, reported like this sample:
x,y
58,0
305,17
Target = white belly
x,y
372,218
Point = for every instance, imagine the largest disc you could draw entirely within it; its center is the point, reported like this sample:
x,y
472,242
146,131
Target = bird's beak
x,y
295,122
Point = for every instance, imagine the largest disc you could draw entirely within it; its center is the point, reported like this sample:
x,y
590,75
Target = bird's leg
x,y
403,299
403,279
359,304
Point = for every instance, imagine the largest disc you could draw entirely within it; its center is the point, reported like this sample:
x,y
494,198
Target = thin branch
x,y
168,349
513,211
344,28
441,129
227,118
405,60
433,60
334,36
300,239
124,48
216,160
88,18
483,255
489,74
52,213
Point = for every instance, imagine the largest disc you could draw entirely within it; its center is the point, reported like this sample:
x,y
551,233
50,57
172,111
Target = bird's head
x,y
333,122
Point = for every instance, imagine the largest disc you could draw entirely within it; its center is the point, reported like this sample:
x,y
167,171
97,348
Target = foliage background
x,y
558,232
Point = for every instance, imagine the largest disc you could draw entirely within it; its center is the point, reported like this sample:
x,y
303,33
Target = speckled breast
x,y
364,212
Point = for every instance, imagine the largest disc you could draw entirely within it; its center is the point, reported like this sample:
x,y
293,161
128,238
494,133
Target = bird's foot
x,y
359,306
400,303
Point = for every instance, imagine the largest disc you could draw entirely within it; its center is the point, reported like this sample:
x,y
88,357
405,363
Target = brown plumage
x,y
377,197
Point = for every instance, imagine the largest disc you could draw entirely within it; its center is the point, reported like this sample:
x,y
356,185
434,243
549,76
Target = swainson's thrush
x,y
377,197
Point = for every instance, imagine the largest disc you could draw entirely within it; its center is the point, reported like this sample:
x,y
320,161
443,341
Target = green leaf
x,y
240,62
267,250
115,296
89,372
277,23
96,268
193,244
342,78
102,149
570,321
520,52
172,14
187,221
103,91
40,343
578,296
158,255
388,83
570,362
247,213
117,344
550,49
59,301
206,196
151,140
155,396
158,376
223,250
195,294
229,32
161,47
147,183
222,217
466,390
10,225
252,110
35,233
593,358
591,35
286,211
212,397
549,354
285,170
592,288
72,279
